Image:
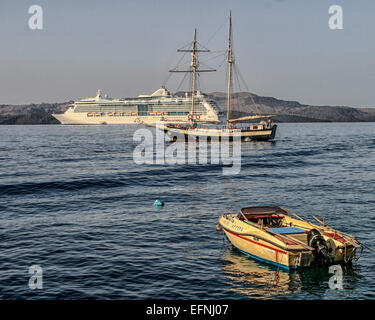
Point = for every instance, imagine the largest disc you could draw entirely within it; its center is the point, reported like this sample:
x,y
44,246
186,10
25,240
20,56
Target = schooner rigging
x,y
261,131
193,69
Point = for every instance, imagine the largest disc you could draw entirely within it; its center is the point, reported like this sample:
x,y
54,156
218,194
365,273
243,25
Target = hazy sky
x,y
283,49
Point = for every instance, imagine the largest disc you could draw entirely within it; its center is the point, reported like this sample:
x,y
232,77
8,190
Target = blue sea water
x,y
74,202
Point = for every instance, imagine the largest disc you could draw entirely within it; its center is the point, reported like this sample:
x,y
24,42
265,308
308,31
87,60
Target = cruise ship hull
x,y
71,117
82,119
161,106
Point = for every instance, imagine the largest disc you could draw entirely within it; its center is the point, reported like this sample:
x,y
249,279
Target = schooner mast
x,y
230,61
193,69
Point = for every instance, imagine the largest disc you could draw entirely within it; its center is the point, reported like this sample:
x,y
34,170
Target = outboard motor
x,y
315,240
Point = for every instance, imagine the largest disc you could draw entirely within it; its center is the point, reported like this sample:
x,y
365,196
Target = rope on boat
x,y
366,246
360,253
297,216
346,259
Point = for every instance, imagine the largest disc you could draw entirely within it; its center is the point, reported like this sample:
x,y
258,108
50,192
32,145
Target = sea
x,y
78,221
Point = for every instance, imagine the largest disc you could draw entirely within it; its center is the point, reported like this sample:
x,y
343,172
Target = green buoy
x,y
158,203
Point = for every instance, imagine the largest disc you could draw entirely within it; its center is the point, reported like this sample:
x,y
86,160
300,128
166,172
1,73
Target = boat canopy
x,y
262,212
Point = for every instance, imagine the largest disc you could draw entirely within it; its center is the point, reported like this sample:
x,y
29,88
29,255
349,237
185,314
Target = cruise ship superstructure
x,y
147,109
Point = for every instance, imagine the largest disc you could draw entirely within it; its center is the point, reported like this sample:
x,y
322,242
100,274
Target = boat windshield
x,y
266,216
264,210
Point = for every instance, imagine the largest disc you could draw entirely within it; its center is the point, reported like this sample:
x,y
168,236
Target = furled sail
x,y
251,118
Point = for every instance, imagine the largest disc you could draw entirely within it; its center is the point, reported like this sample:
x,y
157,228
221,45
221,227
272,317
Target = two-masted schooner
x,y
264,130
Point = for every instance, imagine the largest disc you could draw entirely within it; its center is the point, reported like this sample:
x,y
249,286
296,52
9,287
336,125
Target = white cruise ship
x,y
147,109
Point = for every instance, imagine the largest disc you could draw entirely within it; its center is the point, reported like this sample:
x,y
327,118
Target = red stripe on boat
x,y
261,244
335,236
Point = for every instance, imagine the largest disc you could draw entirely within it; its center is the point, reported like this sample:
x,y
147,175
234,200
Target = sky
x,y
283,48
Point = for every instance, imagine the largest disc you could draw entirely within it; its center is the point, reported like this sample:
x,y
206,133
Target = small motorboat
x,y
270,234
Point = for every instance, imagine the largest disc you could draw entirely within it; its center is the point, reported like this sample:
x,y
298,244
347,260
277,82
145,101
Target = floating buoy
x,y
158,203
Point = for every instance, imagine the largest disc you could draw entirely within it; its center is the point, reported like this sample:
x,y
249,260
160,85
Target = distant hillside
x,y
242,104
31,113
291,111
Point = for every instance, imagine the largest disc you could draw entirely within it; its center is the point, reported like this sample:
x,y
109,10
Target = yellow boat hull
x,y
261,247
284,251
263,251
